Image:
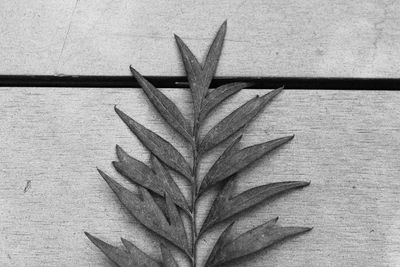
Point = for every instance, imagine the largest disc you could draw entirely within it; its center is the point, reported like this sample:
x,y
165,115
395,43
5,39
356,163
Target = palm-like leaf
x,y
157,210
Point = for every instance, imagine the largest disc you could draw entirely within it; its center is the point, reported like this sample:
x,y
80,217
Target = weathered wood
x,y
347,144
264,38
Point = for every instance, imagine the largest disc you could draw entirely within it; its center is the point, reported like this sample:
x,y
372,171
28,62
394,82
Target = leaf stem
x,y
194,189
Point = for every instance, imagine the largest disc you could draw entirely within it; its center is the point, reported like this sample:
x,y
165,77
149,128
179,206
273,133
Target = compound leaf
x,y
156,179
226,205
236,120
218,95
146,211
133,257
158,146
255,240
225,167
167,109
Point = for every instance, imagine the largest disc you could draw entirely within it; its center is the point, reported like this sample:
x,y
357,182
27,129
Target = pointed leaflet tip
x,y
226,205
88,235
146,211
126,243
160,147
194,73
256,239
121,154
119,256
239,160
269,96
96,241
105,176
165,107
212,58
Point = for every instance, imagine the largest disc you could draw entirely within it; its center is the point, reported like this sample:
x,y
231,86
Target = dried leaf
x,y
226,205
231,149
142,258
176,222
157,209
168,259
255,240
146,211
158,146
194,74
236,120
200,77
168,110
134,257
218,95
237,161
157,180
211,62
169,185
224,238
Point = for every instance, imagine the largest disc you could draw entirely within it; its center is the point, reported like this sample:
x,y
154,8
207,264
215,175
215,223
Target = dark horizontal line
x,y
181,82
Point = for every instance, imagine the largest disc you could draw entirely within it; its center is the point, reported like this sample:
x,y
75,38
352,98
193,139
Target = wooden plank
x,y
347,144
274,38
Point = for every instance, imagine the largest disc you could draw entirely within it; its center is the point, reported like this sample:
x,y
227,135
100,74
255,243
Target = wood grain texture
x,y
267,38
347,144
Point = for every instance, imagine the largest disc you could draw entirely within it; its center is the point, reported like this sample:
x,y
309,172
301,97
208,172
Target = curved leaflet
x,y
236,161
156,179
218,95
158,146
193,73
167,109
226,205
168,259
157,208
254,240
236,120
199,76
146,211
131,257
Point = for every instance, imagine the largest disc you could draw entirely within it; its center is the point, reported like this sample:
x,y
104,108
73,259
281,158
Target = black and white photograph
x,y
199,133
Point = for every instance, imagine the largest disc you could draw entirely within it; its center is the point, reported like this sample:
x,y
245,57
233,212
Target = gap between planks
x,y
292,83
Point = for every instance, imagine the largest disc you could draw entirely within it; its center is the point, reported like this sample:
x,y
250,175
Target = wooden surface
x,y
347,144
269,38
